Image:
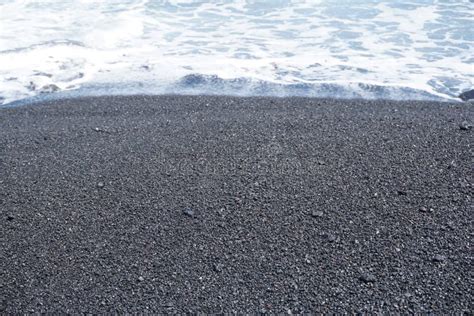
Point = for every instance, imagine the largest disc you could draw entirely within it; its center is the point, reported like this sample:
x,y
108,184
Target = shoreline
x,y
207,85
235,204
58,97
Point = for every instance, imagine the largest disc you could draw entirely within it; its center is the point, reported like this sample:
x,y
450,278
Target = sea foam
x,y
347,49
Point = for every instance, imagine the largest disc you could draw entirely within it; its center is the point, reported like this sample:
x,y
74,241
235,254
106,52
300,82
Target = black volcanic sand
x,y
219,204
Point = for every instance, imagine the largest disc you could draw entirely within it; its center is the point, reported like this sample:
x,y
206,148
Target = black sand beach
x,y
218,204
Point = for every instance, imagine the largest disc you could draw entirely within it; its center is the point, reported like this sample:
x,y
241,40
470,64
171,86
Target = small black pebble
x,y
368,278
10,218
188,212
423,209
465,126
439,258
218,267
400,192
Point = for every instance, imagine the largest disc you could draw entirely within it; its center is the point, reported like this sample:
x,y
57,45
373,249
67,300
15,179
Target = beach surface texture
x,y
223,204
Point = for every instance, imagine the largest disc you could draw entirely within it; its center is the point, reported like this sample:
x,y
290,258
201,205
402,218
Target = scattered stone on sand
x,y
329,237
465,126
317,214
367,278
141,279
188,212
337,290
439,258
218,267
100,185
332,238
401,192
423,209
450,225
10,218
100,130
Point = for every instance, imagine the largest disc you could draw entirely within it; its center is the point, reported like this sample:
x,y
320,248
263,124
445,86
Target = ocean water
x,y
393,49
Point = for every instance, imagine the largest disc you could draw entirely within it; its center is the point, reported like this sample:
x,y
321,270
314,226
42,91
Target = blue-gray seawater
x,y
390,49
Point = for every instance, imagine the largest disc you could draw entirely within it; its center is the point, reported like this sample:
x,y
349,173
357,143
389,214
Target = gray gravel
x,y
217,204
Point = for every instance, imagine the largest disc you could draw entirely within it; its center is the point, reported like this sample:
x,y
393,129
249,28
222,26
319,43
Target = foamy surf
x,y
420,50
